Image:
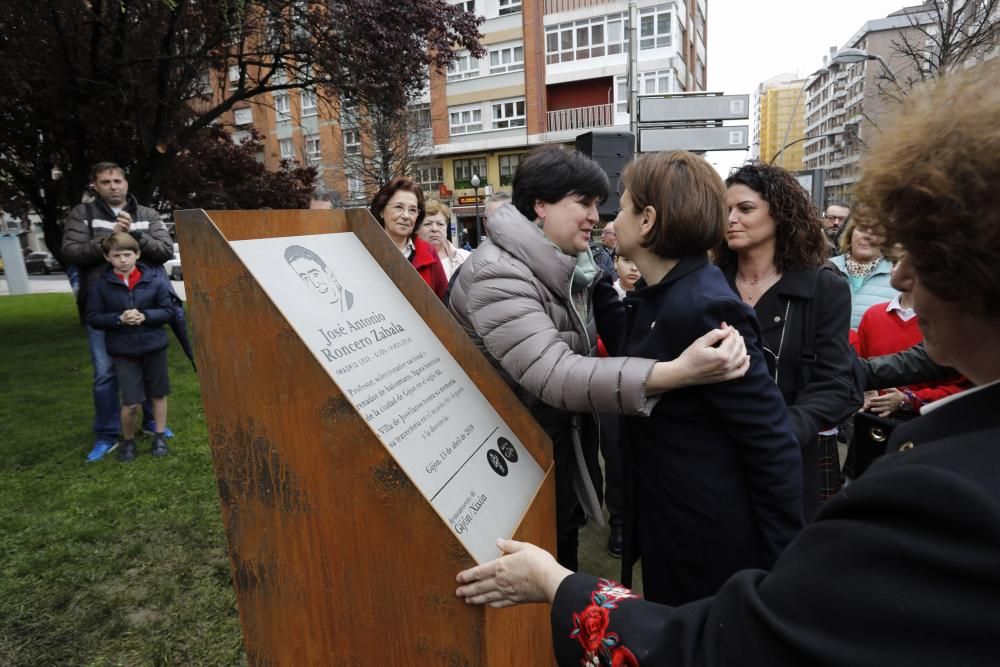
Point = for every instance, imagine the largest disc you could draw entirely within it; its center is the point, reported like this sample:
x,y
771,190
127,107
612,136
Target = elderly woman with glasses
x,y
399,208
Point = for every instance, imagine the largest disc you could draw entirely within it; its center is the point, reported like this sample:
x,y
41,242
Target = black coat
x,y
109,298
910,366
899,568
820,388
716,468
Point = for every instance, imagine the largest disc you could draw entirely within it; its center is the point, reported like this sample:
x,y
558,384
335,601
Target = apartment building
x,y
553,69
844,103
779,121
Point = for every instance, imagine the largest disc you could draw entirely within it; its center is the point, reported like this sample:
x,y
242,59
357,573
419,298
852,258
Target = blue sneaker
x,y
101,449
149,428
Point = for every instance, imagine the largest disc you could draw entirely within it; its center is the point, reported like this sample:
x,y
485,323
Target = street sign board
x,y
730,138
677,108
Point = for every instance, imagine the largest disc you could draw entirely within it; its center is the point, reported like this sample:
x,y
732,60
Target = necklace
x,y
746,281
751,290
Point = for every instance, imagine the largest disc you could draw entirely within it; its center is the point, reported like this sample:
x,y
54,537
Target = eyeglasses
x,y
835,218
413,211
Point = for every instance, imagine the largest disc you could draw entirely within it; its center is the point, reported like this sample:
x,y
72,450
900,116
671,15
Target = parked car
x,y
173,265
41,262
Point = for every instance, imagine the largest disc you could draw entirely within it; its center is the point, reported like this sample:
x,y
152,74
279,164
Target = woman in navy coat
x,y
715,472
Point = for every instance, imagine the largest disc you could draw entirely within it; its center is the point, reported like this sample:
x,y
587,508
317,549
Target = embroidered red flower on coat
x,y
592,623
622,657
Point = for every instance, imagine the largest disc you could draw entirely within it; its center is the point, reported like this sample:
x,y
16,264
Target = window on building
x,y
420,117
654,27
463,67
282,107
355,187
509,113
508,165
352,142
656,83
621,94
465,120
234,73
239,137
507,59
466,5
509,7
308,103
204,86
464,169
287,149
586,38
243,116
429,176
314,152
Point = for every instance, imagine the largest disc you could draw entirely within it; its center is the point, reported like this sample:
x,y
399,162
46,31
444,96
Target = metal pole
x,y
633,73
479,233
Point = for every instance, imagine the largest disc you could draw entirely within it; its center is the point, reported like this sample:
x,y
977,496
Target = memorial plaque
x,y
364,449
418,401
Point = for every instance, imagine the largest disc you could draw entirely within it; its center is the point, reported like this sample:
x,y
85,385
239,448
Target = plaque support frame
x,y
336,557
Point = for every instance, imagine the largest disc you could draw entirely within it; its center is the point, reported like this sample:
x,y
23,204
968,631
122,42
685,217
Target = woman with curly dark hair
x,y
774,258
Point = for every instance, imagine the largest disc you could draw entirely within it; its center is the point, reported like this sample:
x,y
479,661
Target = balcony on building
x,y
578,106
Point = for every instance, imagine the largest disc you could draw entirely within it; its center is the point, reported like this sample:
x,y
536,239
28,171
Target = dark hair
x,y
551,173
838,202
382,197
294,252
119,241
689,199
930,184
102,167
799,239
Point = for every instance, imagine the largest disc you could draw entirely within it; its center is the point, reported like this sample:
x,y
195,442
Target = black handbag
x,y
871,436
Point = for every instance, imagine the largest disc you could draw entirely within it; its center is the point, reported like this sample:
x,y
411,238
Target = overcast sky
x,y
751,41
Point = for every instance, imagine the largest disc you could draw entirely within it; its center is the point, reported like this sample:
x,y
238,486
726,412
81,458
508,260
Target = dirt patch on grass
x,y
143,616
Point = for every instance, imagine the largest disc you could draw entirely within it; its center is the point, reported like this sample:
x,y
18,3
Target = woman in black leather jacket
x,y
773,257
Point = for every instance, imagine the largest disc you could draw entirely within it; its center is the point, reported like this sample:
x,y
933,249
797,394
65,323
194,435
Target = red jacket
x,y
883,332
425,260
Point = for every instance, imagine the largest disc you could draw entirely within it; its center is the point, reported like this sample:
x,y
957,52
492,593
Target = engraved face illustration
x,y
313,271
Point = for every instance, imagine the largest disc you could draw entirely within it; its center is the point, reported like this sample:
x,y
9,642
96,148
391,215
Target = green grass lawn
x,y
102,563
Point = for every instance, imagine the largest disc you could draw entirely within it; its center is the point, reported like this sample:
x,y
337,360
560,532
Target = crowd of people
x,y
715,346
899,567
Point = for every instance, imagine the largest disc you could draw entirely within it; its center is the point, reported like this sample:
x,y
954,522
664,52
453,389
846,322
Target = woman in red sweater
x,y
399,208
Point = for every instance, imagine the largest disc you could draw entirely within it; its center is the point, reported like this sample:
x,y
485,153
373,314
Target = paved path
x,y
57,283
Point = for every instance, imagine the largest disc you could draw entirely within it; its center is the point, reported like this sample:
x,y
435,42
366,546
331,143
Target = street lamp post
x,y
781,150
475,186
851,56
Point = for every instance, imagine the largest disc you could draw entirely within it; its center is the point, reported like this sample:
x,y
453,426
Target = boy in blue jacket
x,y
132,307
